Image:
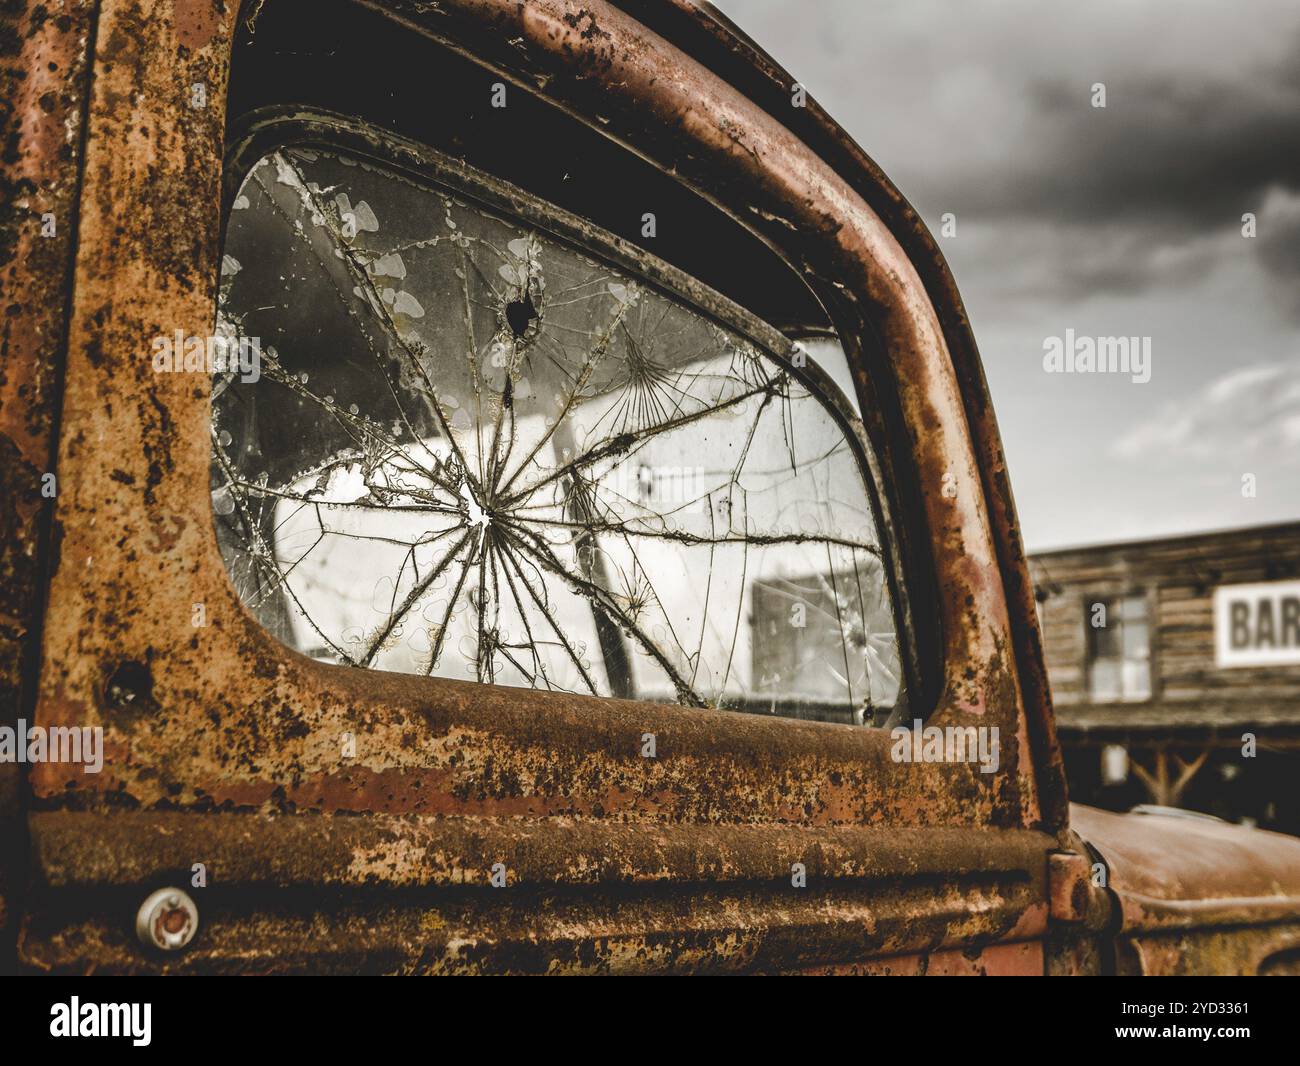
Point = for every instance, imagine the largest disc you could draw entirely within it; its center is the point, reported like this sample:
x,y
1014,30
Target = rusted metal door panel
x,y
45,72
223,746
342,894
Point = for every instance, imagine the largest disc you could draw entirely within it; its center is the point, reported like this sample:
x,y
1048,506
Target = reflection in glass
x,y
475,452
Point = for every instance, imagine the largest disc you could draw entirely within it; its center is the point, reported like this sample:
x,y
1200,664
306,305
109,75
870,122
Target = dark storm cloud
x,y
1114,222
1279,237
1279,249
1139,191
1168,153
985,110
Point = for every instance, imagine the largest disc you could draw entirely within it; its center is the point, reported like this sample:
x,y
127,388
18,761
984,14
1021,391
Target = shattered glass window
x,y
472,450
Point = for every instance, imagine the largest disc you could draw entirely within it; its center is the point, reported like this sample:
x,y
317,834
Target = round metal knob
x,y
167,920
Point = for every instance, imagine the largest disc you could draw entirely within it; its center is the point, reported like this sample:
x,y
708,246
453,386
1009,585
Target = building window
x,y
1119,649
824,646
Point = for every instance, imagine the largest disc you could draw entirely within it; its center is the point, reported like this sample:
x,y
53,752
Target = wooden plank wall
x,y
1178,576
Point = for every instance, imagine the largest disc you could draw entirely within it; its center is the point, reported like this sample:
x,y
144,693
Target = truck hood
x,y
1170,871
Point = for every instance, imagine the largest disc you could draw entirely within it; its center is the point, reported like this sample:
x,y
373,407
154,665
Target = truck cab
x,y
511,487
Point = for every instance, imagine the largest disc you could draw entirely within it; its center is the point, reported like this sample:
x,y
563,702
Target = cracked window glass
x,y
474,451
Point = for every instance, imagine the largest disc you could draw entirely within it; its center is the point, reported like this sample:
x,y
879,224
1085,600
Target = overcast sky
x,y
1122,221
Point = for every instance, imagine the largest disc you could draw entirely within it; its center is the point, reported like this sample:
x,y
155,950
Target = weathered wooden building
x,y
1175,670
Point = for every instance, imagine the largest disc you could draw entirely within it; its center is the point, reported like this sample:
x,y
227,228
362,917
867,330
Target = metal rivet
x,y
167,920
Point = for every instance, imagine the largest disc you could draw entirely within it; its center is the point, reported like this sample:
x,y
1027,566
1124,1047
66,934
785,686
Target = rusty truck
x,y
498,486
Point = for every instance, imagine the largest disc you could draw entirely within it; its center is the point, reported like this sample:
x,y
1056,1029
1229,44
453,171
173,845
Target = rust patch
x,y
198,22
44,67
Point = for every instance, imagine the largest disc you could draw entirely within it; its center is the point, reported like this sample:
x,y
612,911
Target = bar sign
x,y
1257,625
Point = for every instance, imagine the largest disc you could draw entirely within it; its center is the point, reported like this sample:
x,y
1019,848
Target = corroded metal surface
x,y
354,821
129,848
1185,871
408,894
44,66
998,960
735,929
1188,887
1232,951
1069,886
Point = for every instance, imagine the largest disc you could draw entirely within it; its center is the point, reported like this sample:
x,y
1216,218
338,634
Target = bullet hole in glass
x,y
520,314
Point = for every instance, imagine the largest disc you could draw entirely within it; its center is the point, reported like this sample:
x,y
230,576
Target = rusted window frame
x,y
232,735
286,126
